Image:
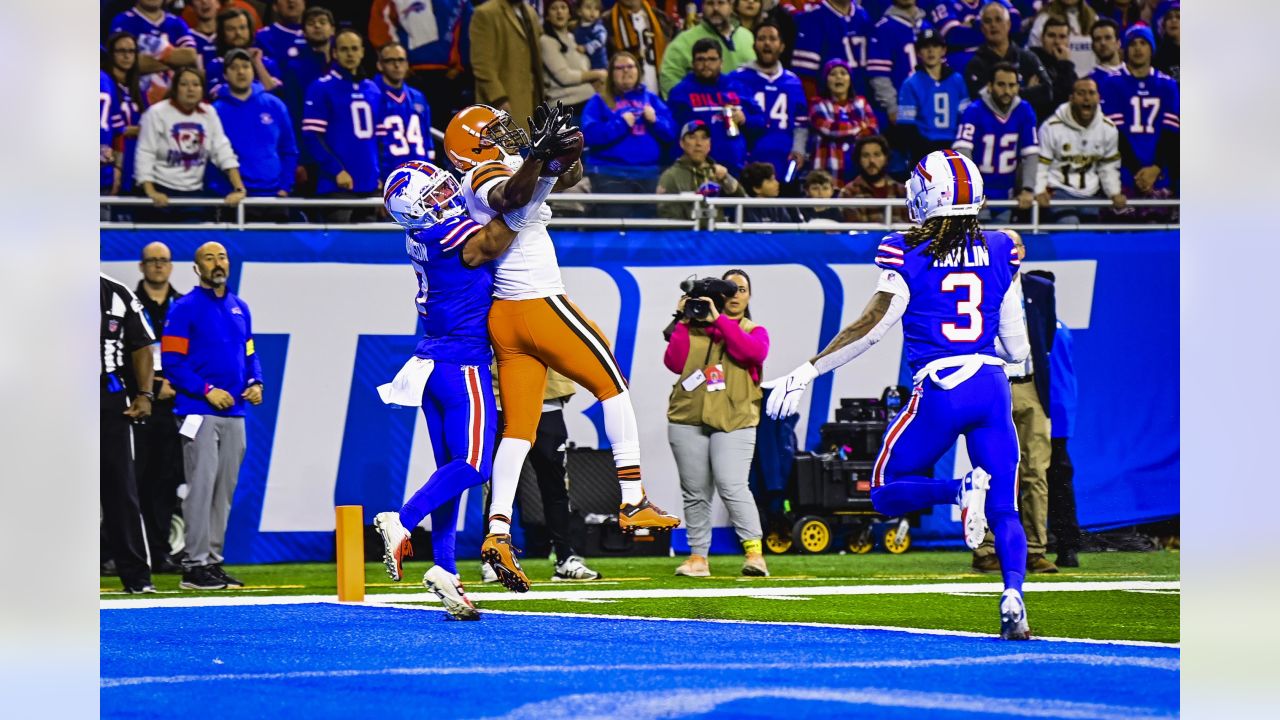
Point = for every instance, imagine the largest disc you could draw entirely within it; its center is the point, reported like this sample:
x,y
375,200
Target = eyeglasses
x,y
158,262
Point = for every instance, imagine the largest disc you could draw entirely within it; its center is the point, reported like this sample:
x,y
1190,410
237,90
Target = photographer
x,y
714,409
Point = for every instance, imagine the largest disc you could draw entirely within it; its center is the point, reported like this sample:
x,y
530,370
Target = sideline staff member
x,y
123,329
208,357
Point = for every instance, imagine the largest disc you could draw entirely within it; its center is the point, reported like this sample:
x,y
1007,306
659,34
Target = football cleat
x,y
395,543
573,568
973,506
449,589
501,556
1013,617
645,514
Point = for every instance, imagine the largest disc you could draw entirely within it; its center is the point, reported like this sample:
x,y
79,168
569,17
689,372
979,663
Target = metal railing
x,y
704,213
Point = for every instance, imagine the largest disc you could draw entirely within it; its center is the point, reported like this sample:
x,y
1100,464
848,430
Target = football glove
x,y
788,391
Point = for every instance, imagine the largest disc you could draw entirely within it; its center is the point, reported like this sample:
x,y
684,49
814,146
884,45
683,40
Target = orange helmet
x,y
480,133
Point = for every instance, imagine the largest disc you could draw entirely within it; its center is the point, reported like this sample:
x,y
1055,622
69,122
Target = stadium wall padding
x,y
334,317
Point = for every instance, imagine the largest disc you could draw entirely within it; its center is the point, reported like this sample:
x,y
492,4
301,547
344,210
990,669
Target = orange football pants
x,y
529,336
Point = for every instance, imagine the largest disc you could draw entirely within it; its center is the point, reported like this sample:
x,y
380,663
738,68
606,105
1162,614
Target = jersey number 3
x,y
970,307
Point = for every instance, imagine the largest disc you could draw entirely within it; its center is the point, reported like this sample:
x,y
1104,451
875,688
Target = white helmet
x,y
419,195
945,183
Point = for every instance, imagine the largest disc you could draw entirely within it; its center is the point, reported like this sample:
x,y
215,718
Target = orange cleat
x,y
498,553
645,514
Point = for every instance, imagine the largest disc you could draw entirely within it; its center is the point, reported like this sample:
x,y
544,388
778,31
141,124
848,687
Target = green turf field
x,y
1129,614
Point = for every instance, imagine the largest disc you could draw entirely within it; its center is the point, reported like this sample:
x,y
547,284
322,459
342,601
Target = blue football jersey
x,y
1142,109
155,39
954,307
341,125
453,300
893,48
960,24
406,120
207,46
997,142
933,106
824,33
281,42
785,108
110,122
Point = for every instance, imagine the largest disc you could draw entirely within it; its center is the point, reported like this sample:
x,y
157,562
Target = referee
x,y
124,330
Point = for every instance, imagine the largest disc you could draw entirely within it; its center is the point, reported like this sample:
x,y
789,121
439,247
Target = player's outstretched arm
x,y
488,244
881,313
517,190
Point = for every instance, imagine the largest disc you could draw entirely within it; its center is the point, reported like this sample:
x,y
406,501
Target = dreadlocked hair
x,y
948,235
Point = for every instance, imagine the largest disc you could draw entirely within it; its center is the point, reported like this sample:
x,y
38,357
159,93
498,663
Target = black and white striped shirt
x,y
124,328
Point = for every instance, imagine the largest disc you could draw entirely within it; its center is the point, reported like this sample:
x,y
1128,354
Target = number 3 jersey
x,y
453,299
953,306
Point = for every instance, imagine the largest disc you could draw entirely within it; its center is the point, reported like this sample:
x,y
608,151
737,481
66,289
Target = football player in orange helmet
x,y
480,133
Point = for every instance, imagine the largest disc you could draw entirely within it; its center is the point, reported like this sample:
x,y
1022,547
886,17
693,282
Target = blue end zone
x,y
322,661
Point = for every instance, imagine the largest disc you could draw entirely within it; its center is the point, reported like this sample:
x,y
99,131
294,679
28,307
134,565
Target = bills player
x,y
449,376
533,325
954,287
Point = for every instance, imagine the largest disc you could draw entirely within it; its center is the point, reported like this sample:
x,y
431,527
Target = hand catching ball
x,y
570,152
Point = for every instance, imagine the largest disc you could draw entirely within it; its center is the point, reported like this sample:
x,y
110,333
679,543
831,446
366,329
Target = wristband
x,y
146,394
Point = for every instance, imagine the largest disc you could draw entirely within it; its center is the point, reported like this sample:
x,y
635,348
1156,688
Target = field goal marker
x,y
350,541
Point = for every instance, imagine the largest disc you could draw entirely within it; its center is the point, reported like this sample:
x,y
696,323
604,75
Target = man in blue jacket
x,y
261,133
721,102
1063,399
208,356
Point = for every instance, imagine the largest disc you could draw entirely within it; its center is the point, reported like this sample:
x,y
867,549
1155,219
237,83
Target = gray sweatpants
x,y
709,462
212,462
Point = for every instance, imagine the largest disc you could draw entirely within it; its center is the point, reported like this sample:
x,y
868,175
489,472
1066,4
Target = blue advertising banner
x,y
334,318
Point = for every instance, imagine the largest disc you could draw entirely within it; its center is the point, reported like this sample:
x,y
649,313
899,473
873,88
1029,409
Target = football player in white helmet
x,y
954,287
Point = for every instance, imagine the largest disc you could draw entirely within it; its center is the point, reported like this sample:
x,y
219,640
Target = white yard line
x,y
1166,664
656,593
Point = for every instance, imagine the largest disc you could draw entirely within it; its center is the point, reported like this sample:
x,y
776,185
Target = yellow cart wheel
x,y
777,542
860,542
813,534
897,538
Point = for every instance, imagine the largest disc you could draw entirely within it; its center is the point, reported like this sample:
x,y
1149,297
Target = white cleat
x,y
449,589
1013,617
395,543
487,575
973,506
573,568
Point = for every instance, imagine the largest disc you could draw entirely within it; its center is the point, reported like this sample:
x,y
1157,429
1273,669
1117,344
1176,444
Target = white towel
x,y
407,387
968,364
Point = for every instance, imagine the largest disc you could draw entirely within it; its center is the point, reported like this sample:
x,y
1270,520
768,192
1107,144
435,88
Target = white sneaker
x,y
487,575
395,543
1013,617
449,589
973,506
573,568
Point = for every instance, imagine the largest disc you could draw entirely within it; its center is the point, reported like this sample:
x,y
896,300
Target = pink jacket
x,y
749,350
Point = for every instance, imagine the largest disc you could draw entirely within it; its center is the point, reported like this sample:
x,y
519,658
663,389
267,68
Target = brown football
x,y
559,164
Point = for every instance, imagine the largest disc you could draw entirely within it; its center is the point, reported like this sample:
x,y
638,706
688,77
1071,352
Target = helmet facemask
x,y
503,134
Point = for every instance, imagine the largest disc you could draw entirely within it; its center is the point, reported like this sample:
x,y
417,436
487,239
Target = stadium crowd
x,y
1052,99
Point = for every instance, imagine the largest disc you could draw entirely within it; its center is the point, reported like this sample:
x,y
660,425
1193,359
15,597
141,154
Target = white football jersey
x,y
529,269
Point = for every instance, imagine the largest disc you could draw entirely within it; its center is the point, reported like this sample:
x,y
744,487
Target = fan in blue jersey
x,y
835,30
205,29
893,56
953,286
235,30
283,39
720,102
780,94
341,122
449,375
162,36
406,117
1144,104
998,132
110,126
931,100
960,22
309,64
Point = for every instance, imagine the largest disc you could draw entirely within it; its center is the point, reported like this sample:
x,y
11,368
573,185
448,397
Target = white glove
x,y
788,391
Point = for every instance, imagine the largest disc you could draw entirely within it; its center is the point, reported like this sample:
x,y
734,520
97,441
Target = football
x,y
559,164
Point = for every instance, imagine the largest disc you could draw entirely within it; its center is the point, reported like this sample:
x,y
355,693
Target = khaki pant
x,y
1034,452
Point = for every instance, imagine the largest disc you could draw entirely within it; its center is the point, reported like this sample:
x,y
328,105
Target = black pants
x,y
548,459
1062,498
121,516
159,473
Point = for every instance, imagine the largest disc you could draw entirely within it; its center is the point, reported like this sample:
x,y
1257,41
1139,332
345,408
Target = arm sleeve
x,y
287,149
677,349
1028,162
221,152
1013,346
754,113
1046,159
173,353
315,124
883,92
144,160
484,37
747,348
664,126
253,367
681,109
827,363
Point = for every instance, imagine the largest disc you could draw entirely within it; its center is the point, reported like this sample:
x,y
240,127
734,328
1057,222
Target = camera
x,y
717,290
